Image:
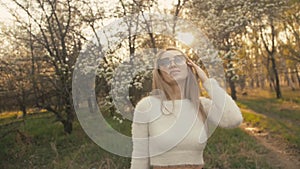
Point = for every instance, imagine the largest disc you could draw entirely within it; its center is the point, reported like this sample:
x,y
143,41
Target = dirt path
x,y
280,155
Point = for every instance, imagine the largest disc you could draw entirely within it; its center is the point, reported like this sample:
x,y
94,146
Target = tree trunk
x,y
24,111
92,104
271,53
277,84
257,81
290,78
297,74
68,126
251,83
232,88
22,103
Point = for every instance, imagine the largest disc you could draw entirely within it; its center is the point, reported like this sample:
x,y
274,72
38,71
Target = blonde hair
x,y
162,89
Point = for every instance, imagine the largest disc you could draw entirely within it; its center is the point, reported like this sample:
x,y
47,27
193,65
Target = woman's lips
x,y
174,72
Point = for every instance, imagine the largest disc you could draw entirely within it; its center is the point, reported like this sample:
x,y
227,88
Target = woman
x,y
170,128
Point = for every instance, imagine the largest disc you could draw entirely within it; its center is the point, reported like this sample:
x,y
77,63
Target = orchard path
x,y
280,155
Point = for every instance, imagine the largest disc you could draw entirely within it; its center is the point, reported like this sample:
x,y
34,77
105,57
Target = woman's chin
x,y
175,80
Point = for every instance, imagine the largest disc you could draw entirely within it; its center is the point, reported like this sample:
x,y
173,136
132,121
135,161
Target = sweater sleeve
x,y
140,136
221,109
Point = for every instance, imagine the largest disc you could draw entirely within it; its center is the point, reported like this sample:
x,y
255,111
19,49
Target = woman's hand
x,y
201,74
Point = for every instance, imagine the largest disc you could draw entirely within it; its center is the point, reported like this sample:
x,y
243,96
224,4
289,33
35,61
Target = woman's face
x,y
172,65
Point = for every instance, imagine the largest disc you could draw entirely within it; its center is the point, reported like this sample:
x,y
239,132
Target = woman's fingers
x,y
191,63
201,74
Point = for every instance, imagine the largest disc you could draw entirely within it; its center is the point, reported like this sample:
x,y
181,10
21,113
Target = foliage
x,y
54,34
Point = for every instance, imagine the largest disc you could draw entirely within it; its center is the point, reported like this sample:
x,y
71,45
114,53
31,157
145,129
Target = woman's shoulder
x,y
147,102
146,109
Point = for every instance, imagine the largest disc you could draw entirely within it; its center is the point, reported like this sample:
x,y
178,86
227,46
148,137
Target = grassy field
x,y
38,141
279,117
47,146
42,144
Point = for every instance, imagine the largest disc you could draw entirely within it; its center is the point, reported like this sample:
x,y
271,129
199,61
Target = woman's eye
x,y
164,62
178,60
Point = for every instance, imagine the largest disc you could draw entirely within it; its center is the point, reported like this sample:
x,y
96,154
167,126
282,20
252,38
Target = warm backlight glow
x,y
186,37
166,4
5,15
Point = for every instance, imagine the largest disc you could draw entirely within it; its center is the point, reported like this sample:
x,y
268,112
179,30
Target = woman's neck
x,y
178,90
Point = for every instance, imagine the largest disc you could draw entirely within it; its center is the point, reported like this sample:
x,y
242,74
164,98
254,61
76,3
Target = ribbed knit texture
x,y
176,138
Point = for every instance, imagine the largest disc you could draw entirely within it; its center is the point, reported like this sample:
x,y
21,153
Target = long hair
x,y
161,88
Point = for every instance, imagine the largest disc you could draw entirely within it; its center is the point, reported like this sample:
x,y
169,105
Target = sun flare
x,y
186,37
166,4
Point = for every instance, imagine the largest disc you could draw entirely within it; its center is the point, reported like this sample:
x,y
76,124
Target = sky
x,y
5,16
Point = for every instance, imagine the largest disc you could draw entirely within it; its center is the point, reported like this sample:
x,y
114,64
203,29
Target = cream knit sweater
x,y
178,138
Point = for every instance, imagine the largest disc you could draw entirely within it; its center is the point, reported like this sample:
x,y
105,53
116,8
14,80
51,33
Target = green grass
x,y
233,148
49,147
279,117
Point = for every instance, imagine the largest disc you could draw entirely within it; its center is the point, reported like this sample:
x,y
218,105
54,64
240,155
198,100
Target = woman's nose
x,y
172,63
